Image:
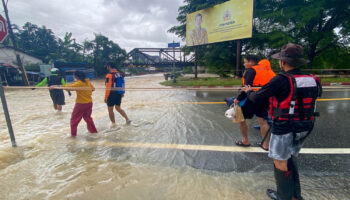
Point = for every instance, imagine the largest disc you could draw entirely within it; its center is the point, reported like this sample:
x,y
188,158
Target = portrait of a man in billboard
x,y
198,35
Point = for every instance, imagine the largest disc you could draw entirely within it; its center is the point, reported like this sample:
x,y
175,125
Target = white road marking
x,y
212,147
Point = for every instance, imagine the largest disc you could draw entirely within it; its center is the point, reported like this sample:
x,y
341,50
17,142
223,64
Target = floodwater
x,y
49,164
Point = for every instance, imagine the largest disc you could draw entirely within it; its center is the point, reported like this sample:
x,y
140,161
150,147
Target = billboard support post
x,y
238,58
7,115
15,46
174,80
196,62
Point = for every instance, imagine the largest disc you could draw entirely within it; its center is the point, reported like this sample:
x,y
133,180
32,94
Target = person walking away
x,y
256,76
115,90
292,97
83,102
57,95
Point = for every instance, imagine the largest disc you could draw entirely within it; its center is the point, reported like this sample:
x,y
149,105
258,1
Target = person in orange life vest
x,y
265,63
256,76
115,89
83,102
292,97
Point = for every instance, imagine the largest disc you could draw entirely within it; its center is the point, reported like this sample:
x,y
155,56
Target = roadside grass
x,y
214,81
335,80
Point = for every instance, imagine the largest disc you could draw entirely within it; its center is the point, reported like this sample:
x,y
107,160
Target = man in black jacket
x,y
292,104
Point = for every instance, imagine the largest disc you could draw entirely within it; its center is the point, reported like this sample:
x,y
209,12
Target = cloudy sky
x,y
129,23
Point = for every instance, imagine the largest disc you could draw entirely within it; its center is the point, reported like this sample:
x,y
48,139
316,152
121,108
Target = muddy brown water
x,y
49,164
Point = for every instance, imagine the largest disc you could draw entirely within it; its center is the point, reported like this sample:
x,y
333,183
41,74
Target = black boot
x,y
272,194
293,166
285,183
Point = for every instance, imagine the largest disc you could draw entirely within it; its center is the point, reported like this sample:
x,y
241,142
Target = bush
x,y
188,70
223,73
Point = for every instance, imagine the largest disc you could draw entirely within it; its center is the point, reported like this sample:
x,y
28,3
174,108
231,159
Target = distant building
x,y
11,75
7,55
68,69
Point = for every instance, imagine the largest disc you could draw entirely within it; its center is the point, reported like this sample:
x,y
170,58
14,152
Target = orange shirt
x,y
109,82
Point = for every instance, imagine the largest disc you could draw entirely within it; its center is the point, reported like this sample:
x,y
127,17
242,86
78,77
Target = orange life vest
x,y
263,74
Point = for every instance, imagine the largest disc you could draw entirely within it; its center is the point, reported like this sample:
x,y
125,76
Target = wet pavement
x,y
331,131
48,164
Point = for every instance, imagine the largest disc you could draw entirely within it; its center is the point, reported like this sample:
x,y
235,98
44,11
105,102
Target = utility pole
x,y
174,80
14,42
7,115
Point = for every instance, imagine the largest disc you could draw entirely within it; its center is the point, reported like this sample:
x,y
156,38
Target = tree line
x,y
42,43
320,26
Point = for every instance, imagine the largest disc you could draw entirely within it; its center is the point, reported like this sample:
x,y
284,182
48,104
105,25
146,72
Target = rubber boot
x,y
293,166
285,184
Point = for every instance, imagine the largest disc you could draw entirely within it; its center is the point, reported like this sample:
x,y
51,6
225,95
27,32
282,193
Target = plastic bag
x,y
230,113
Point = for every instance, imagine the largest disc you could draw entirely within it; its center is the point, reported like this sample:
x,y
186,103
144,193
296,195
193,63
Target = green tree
x,y
105,50
87,51
318,25
37,41
69,50
41,42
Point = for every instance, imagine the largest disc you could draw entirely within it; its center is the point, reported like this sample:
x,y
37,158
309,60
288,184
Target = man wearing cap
x,y
292,97
56,95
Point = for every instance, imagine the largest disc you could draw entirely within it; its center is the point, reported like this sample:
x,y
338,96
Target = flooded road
x,y
49,164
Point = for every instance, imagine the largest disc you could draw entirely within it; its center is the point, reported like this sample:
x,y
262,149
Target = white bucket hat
x,y
54,69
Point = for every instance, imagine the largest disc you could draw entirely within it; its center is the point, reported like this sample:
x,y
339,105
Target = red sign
x,y
3,29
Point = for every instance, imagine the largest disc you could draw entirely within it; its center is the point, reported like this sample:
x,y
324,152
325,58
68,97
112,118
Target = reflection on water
x,y
48,164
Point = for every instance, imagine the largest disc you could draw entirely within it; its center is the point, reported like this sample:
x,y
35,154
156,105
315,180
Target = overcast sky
x,y
129,23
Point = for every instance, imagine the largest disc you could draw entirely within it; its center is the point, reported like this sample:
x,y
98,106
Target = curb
x,y
237,86
334,84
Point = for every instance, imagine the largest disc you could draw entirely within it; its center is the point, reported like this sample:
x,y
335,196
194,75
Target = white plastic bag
x,y
230,113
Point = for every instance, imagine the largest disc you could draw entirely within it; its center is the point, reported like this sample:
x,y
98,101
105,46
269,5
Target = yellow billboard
x,y
231,20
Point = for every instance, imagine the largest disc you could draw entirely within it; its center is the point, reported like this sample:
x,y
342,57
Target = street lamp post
x,y
174,80
126,63
173,45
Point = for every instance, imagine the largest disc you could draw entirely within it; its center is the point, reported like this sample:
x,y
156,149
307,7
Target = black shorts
x,y
114,99
250,109
57,97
